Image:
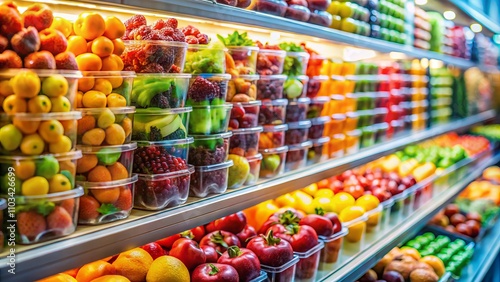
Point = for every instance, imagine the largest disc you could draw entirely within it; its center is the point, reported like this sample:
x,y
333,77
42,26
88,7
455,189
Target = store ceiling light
x,y
449,15
421,2
476,27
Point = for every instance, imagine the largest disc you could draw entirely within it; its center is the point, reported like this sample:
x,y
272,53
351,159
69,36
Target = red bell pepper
x,y
214,272
285,218
301,237
243,260
233,223
188,251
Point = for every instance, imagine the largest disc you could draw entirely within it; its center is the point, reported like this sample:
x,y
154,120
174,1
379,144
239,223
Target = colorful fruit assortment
x,y
241,58
164,91
105,126
242,89
205,59
208,89
209,149
105,164
245,142
270,87
270,60
244,115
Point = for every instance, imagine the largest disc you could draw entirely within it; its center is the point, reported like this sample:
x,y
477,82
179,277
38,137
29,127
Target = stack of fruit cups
x,y
37,151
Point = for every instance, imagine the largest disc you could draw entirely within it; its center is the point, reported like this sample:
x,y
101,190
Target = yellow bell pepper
x,y
285,200
311,189
303,202
407,167
390,163
423,171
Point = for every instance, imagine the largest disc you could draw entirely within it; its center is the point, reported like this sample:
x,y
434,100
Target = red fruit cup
x,y
245,141
318,153
317,129
321,18
318,107
270,62
271,7
298,13
244,115
318,86
161,156
297,110
211,179
283,273
154,56
336,125
273,162
296,157
106,201
270,87
254,162
382,99
114,161
244,60
337,146
317,65
297,132
242,89
307,267
219,82
295,87
273,136
332,252
273,112
161,191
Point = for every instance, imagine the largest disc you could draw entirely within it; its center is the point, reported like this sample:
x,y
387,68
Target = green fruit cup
x,y
366,118
154,56
318,153
296,157
35,134
38,175
105,126
209,149
161,156
105,163
273,162
160,90
202,58
106,201
212,119
296,63
211,179
104,89
38,91
207,89
242,89
241,60
160,124
46,217
295,87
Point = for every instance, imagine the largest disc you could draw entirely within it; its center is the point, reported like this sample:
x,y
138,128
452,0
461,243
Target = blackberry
x,y
178,134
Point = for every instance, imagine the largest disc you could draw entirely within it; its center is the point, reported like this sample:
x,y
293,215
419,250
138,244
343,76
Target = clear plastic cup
x,y
105,163
296,157
273,112
210,119
332,252
211,179
242,89
209,150
307,267
297,110
106,126
161,156
270,87
244,60
270,62
319,151
154,56
297,132
295,87
160,90
273,136
284,273
215,93
273,162
205,58
116,86
244,115
245,141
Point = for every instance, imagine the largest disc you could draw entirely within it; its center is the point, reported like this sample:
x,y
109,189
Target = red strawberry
x,y
173,23
59,220
88,208
154,249
135,22
124,202
30,224
69,206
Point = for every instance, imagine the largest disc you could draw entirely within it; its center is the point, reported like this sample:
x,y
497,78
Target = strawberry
x,y
30,224
59,220
88,208
124,202
69,206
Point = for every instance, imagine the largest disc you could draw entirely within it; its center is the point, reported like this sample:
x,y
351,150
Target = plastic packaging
x,y
244,59
210,119
351,122
297,110
297,132
114,83
203,58
245,141
244,115
209,149
211,179
271,7
337,146
254,162
242,89
273,112
318,107
219,81
332,252
321,18
317,129
357,231
368,136
296,157
318,86
171,60
162,124
296,86
273,136
336,125
161,156
116,160
319,151
270,87
273,162
270,62
298,13
307,267
159,90
374,222
284,273
352,141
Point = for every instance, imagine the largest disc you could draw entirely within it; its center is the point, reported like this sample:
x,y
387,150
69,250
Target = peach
x,y
94,99
77,45
38,15
89,62
40,60
89,25
66,61
63,25
102,46
86,83
10,59
114,28
26,41
53,40
4,42
10,21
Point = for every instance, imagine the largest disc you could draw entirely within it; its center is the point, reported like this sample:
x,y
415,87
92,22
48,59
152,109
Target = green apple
x,y
108,156
47,167
55,85
10,137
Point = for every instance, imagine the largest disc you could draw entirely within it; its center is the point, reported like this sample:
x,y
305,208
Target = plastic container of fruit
x,y
244,115
209,149
159,90
219,85
40,175
397,208
105,163
396,128
58,86
167,56
285,272
337,146
261,278
298,60
273,161
321,18
295,87
34,134
307,267
3,206
336,125
380,115
160,124
381,99
273,112
318,86
297,132
318,126
349,104
244,59
255,163
318,153
298,13
270,87
386,212
270,62
320,5
297,110
273,136
205,58
364,100
368,136
296,157
319,65
161,191
210,119
357,232
105,202
381,132
54,215
211,179
351,122
245,141
102,89
318,107
366,118
106,126
352,141
242,88
159,157
332,252
338,105
374,222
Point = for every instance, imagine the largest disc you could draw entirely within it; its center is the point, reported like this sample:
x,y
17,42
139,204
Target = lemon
x,y
351,213
326,193
341,201
368,202
168,268
323,203
59,183
34,186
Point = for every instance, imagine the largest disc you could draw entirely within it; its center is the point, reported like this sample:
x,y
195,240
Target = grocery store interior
x,y
250,140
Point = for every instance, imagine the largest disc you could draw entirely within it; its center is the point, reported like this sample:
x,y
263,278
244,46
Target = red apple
x,y
337,225
464,229
53,40
40,60
154,249
451,228
474,216
457,219
474,226
451,209
10,59
26,41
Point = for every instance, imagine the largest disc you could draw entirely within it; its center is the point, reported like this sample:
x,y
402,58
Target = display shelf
x,y
378,244
91,243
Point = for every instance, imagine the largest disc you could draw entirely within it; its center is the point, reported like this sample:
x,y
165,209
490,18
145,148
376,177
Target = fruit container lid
x,y
366,113
275,128
279,269
212,136
397,123
369,129
352,115
209,168
441,112
86,149
42,73
277,102
165,75
116,111
300,101
74,115
337,97
223,76
321,141
281,53
174,142
337,77
300,77
304,145
387,203
303,124
69,156
320,100
247,104
107,184
354,133
156,42
338,117
282,149
441,102
157,111
367,77
363,218
382,94
52,197
381,126
261,278
320,120
247,130
338,136
357,95
207,46
246,48
273,77
342,233
312,251
396,108
224,106
3,204
256,157
378,209
105,74
423,116
250,77
320,78
298,54
167,175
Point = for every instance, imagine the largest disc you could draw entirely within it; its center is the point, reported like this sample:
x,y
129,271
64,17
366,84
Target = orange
x,y
89,46
85,124
103,85
78,100
368,202
39,104
111,278
351,213
118,171
61,277
74,271
63,25
14,104
99,174
25,169
89,25
68,165
114,28
263,212
77,45
86,163
133,264
116,100
168,268
94,137
102,46
26,126
88,62
115,135
106,195
119,46
127,126
94,99
112,63
341,201
68,125
93,270
116,81
51,130
85,84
